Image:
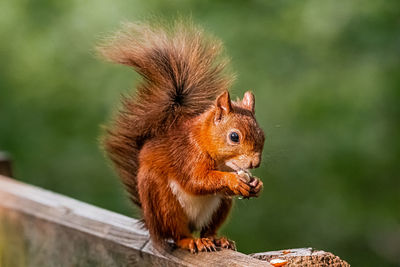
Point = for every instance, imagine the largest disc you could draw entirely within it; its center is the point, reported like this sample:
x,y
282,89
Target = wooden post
x,y
5,164
42,228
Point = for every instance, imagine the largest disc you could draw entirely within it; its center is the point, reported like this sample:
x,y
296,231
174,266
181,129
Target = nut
x,y
245,175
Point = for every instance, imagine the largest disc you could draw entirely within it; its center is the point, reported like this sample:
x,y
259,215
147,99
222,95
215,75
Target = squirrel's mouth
x,y
245,173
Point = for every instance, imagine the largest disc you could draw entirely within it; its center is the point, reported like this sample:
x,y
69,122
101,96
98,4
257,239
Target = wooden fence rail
x,y
42,228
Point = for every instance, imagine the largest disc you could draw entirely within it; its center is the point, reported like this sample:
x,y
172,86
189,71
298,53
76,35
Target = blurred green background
x,y
326,75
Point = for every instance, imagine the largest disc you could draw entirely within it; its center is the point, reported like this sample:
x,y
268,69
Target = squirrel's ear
x,y
248,101
223,105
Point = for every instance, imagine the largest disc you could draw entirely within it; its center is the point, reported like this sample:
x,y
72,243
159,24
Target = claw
x,y
200,245
255,191
195,245
224,242
254,182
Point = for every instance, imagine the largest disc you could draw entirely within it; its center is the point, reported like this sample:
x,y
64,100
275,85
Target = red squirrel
x,y
180,145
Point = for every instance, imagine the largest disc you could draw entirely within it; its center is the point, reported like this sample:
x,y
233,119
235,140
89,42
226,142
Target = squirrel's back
x,y
182,74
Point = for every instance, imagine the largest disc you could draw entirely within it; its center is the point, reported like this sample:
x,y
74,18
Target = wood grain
x,y
303,257
42,228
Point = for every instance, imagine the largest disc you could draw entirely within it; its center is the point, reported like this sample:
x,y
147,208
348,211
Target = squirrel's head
x,y
235,135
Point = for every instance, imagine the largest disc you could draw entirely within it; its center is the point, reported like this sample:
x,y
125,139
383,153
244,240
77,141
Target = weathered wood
x,y
5,164
41,228
302,257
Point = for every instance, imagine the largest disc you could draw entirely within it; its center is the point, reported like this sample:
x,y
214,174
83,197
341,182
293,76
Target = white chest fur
x,y
199,209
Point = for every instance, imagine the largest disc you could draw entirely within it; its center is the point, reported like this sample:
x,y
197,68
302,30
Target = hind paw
x,y
224,242
195,245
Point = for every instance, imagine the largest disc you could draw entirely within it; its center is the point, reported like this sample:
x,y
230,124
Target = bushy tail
x,y
182,71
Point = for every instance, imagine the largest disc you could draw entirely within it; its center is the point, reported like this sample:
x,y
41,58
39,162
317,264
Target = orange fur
x,y
171,143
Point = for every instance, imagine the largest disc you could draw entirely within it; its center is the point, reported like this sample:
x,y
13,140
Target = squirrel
x,y
182,148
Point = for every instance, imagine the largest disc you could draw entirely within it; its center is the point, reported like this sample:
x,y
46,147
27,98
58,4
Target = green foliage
x,y
326,79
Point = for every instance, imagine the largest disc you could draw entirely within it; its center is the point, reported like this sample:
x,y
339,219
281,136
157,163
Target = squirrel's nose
x,y
255,162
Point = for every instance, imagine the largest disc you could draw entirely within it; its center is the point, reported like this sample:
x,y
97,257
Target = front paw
x,y
256,187
255,183
245,186
239,187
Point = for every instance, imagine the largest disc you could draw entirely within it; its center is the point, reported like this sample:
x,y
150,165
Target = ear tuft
x,y
248,101
223,105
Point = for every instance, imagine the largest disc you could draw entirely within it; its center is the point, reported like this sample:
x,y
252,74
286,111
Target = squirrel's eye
x,y
234,136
